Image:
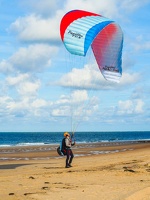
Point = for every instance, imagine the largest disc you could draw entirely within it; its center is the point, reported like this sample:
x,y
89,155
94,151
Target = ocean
x,y
43,138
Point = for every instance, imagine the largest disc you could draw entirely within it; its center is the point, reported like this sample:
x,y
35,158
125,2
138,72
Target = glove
x,y
73,144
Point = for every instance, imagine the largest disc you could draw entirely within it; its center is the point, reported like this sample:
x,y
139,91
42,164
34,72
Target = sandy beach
x,y
100,172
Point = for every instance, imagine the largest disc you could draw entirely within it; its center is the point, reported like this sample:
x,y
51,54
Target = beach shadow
x,y
11,166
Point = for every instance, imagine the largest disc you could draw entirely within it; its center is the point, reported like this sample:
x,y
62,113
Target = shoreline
x,y
98,142
46,152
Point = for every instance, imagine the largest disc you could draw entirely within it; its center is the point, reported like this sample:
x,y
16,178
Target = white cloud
x,y
28,88
39,103
17,79
6,67
80,78
27,107
9,108
78,103
73,97
61,111
79,96
90,77
17,106
25,84
130,107
139,106
34,58
129,78
4,100
36,28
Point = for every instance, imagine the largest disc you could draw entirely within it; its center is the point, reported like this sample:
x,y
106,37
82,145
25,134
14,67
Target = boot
x,y
67,166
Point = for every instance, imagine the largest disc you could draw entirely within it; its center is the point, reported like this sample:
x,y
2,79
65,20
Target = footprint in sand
x,y
148,170
31,177
11,193
128,170
28,193
45,188
46,182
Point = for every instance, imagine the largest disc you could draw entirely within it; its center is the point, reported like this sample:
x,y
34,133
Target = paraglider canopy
x,y
81,29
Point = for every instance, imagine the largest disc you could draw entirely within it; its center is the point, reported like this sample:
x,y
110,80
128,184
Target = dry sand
x,y
122,173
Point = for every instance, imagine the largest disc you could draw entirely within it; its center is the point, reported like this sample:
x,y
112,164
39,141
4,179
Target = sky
x,y
42,88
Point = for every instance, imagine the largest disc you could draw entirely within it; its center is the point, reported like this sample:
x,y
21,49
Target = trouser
x,y
69,156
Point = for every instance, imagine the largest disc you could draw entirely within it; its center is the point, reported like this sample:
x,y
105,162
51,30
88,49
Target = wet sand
x,y
114,171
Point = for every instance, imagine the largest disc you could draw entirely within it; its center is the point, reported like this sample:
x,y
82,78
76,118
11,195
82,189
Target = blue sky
x,y
36,71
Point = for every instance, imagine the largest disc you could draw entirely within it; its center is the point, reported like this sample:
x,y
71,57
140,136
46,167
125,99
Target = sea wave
x,y
5,145
31,144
